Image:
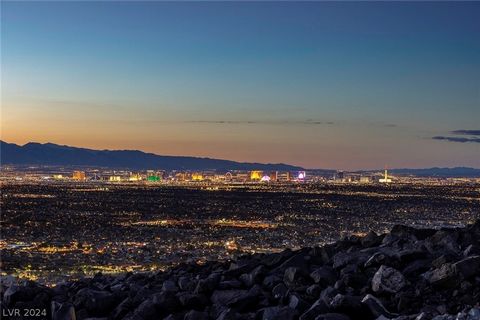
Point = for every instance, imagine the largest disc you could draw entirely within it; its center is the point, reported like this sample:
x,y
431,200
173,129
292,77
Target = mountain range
x,y
50,154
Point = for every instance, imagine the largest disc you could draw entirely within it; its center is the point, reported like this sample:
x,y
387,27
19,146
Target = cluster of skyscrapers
x,y
187,176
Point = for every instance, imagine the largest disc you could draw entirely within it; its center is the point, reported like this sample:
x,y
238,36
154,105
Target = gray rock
x,y
228,314
318,308
169,285
445,276
229,284
332,316
376,307
97,303
314,290
196,315
186,284
279,291
209,284
239,299
278,312
192,300
146,310
324,276
342,259
388,279
297,303
271,281
349,305
167,302
468,267
376,259
63,311
371,239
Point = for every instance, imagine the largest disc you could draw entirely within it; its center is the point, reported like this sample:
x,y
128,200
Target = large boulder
x,y
388,279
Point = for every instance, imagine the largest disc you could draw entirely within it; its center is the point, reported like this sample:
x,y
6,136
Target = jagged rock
x,y
209,284
298,260
169,285
278,312
279,291
376,307
314,290
371,240
270,281
97,303
417,267
146,310
122,309
349,305
445,276
323,253
297,303
229,284
177,316
342,259
192,300
332,316
255,276
196,315
236,269
275,259
186,284
409,255
376,259
292,276
468,267
240,299
26,292
327,295
387,279
471,250
324,276
319,307
227,297
228,314
63,311
166,302
355,281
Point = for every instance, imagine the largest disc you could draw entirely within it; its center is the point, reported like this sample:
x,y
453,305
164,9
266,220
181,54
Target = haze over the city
x,y
319,85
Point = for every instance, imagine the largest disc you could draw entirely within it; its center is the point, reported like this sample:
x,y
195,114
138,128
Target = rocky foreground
x,y
405,274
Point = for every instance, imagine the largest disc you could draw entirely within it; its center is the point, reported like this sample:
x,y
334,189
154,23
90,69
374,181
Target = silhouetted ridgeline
x,y
405,274
54,154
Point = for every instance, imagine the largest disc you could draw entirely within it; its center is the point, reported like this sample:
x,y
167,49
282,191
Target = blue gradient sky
x,y
332,85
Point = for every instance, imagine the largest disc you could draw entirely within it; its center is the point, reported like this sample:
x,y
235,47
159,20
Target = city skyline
x,y
318,85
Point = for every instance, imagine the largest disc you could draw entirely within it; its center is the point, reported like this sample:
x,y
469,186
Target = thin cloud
x,y
278,122
457,139
467,132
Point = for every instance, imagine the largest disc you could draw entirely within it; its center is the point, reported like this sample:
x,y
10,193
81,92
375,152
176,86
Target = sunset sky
x,y
322,85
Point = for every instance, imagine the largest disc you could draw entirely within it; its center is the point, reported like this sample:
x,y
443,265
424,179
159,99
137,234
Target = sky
x,y
336,85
